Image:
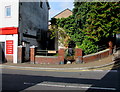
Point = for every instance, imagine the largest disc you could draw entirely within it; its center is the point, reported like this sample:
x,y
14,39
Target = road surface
x,y
83,81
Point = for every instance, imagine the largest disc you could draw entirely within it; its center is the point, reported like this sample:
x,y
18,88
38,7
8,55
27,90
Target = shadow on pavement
x,y
15,82
109,76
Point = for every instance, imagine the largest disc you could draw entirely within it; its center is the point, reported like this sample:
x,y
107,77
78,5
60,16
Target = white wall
x,y
14,37
9,21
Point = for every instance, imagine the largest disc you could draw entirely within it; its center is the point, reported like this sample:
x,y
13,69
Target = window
x,y
41,3
8,11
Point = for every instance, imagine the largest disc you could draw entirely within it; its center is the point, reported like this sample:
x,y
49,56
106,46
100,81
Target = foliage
x,y
70,27
98,20
92,24
59,33
88,47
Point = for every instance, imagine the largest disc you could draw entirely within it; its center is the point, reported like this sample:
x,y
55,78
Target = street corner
x,y
77,69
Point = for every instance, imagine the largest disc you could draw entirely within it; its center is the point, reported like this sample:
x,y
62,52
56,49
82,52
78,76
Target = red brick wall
x,y
9,58
90,58
61,54
104,54
32,54
111,51
20,54
96,56
46,59
60,57
78,54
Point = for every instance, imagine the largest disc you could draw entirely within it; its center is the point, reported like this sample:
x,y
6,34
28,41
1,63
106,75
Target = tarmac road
x,y
83,81
22,77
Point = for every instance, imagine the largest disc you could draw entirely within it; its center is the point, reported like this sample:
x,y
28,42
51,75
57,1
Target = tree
x,y
59,33
70,27
92,24
98,20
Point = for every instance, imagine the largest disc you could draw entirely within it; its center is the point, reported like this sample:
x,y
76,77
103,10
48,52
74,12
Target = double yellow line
x,y
108,67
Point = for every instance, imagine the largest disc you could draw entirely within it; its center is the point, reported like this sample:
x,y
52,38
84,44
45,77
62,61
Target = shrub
x,y
88,47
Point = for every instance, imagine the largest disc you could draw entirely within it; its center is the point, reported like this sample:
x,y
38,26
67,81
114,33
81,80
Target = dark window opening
x,y
20,3
41,4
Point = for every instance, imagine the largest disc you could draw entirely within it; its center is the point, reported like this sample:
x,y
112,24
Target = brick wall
x,y
96,56
32,54
9,58
64,14
46,59
60,58
61,55
78,55
20,53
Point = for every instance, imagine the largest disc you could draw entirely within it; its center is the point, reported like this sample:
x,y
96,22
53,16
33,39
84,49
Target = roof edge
x,y
61,12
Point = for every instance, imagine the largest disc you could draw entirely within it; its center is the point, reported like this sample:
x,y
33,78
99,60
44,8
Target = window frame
x,y
8,11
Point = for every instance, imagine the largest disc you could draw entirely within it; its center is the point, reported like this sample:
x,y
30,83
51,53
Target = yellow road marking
x,y
69,70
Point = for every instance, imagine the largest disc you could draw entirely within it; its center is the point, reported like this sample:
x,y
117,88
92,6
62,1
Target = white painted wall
x,y
14,37
9,21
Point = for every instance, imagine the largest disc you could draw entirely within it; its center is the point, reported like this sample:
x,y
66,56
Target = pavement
x,y
102,64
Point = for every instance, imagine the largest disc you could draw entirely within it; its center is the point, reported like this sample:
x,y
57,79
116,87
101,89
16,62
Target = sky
x,y
58,6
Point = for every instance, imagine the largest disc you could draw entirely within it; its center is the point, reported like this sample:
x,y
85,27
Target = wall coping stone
x,y
33,46
96,53
20,46
47,56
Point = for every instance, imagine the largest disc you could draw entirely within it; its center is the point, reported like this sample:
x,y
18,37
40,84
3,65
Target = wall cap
x,y
47,56
78,48
20,46
96,53
33,46
61,48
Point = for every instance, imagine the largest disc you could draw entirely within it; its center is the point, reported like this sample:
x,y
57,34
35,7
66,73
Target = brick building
x,y
23,24
64,14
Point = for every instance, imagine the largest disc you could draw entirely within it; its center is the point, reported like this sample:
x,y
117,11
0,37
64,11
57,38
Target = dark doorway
x,y
2,52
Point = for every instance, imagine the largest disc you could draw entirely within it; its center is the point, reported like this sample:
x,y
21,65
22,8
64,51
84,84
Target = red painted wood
x,y
8,30
9,47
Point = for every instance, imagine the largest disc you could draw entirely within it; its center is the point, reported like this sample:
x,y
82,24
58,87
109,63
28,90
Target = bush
x,y
88,47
